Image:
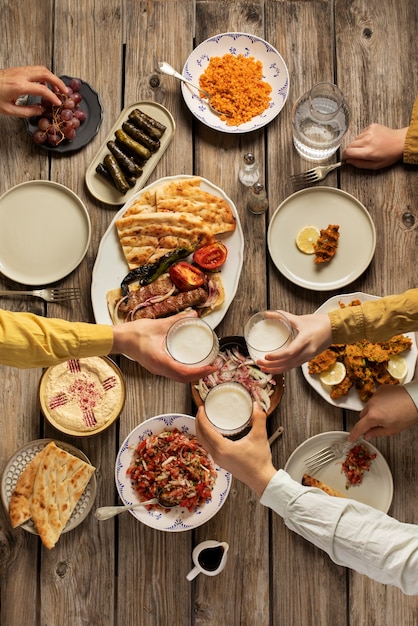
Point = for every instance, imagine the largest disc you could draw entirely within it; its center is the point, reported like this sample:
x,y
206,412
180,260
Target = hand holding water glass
x,y
191,341
267,332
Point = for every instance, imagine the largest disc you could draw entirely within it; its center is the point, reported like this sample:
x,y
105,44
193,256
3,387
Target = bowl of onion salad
x,y
235,365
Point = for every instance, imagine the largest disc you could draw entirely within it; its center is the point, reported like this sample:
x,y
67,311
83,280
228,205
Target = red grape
x,y
66,115
69,104
44,123
75,84
69,133
80,115
39,136
77,97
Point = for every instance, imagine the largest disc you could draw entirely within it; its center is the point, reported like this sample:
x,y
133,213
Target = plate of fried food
x,y
177,244
246,77
299,234
163,455
347,375
360,473
48,488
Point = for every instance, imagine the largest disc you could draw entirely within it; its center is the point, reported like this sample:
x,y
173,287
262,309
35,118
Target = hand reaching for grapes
x,y
28,80
60,123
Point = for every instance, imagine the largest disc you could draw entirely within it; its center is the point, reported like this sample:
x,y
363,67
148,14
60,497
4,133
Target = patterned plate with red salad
x,y
162,449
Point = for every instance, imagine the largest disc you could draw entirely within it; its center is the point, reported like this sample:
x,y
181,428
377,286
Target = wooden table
x,y
122,572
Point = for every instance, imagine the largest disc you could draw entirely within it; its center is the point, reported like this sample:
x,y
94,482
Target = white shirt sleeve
x,y
351,533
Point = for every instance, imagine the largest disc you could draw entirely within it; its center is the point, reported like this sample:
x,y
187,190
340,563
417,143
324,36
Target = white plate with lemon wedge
x,y
402,366
320,207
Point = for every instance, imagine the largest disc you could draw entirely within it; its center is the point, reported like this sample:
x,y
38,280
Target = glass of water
x,y
320,120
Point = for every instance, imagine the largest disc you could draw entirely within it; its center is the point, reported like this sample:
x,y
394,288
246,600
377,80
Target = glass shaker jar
x,y
320,120
248,173
258,202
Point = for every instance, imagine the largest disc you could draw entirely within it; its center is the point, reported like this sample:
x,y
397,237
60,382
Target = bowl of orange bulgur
x,y
246,77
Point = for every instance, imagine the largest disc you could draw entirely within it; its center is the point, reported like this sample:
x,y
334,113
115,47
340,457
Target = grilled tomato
x,y
211,256
186,276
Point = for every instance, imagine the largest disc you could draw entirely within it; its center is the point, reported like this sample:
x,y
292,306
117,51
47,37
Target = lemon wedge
x,y
306,238
333,375
398,367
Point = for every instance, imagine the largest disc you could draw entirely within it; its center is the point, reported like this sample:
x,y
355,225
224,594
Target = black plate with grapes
x,y
90,106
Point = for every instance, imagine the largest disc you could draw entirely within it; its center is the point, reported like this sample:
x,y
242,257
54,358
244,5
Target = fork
x,y
60,294
315,174
327,454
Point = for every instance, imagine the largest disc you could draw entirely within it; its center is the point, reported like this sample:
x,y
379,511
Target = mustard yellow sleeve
x,y
28,340
376,320
410,154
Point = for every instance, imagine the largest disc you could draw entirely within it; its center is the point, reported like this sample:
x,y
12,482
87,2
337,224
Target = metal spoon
x,y
166,68
106,512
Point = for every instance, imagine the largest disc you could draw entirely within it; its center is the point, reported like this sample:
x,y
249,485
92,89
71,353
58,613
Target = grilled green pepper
x,y
146,274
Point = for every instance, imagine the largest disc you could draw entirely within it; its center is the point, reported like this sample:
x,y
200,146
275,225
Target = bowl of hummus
x,y
82,397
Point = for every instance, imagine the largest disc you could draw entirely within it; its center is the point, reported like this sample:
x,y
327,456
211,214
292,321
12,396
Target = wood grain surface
x,y
120,571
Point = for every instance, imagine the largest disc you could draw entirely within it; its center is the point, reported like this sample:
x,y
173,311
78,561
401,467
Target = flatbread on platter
x,y
309,481
178,214
147,237
48,491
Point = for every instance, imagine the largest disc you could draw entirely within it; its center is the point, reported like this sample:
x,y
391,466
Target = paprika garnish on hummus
x,y
82,396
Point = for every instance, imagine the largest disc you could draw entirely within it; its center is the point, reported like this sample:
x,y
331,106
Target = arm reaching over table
x,y
27,80
374,320
353,534
380,146
391,409
376,147
313,334
28,340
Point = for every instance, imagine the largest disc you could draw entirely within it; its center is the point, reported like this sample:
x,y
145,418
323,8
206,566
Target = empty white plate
x,y
45,231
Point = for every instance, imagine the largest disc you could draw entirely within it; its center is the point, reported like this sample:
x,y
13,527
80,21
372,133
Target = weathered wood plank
x,y
150,561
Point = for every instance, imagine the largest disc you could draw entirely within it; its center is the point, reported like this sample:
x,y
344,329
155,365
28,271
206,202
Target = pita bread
x,y
146,237
20,501
187,196
309,481
175,215
49,491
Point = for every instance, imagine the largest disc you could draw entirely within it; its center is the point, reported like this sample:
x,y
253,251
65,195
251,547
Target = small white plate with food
x,y
141,237
352,400
376,486
199,501
322,207
249,54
